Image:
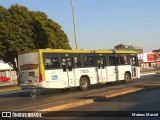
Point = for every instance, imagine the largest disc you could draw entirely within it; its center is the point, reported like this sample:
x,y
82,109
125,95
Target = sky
x,y
102,24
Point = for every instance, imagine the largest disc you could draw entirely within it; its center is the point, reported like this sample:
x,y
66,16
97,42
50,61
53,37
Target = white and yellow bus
x,y
63,69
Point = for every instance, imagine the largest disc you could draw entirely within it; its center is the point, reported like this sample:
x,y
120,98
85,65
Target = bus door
x,y
101,74
134,65
68,71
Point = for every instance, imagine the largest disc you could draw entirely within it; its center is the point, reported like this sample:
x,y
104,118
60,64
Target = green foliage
x,y
21,30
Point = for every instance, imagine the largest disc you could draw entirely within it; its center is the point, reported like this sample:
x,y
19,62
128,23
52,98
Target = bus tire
x,y
127,77
84,83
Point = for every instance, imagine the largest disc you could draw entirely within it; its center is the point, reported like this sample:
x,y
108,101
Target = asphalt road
x,y
22,101
142,104
124,107
140,101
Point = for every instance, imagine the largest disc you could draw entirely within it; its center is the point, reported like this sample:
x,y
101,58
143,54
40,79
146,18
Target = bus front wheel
x,y
84,83
127,77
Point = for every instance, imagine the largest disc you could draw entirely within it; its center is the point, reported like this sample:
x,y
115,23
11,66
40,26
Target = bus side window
x,y
113,60
91,61
55,63
77,61
134,60
121,58
84,61
64,66
107,61
88,61
98,63
48,63
126,60
79,64
69,64
102,63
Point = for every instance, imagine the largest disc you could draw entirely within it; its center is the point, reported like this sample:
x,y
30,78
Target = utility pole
x,y
76,41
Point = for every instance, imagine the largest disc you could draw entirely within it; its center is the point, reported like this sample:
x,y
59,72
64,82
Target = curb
x,y
10,89
147,74
12,92
7,84
89,101
123,93
69,105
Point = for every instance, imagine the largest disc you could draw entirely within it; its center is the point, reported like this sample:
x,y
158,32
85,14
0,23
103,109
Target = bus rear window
x,y
29,67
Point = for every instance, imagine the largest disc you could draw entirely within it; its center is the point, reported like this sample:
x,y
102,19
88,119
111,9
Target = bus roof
x,y
116,51
79,51
65,51
28,51
126,51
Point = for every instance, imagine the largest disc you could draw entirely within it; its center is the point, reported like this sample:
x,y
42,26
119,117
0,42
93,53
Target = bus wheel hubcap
x,y
84,84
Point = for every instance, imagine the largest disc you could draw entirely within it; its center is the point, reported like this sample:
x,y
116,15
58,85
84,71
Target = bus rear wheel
x,y
127,77
84,83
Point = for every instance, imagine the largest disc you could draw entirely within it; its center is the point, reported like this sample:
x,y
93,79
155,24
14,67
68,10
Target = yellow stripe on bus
x,y
79,51
65,51
41,63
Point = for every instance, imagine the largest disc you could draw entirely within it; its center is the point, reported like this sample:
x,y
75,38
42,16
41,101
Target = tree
x,y
21,30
